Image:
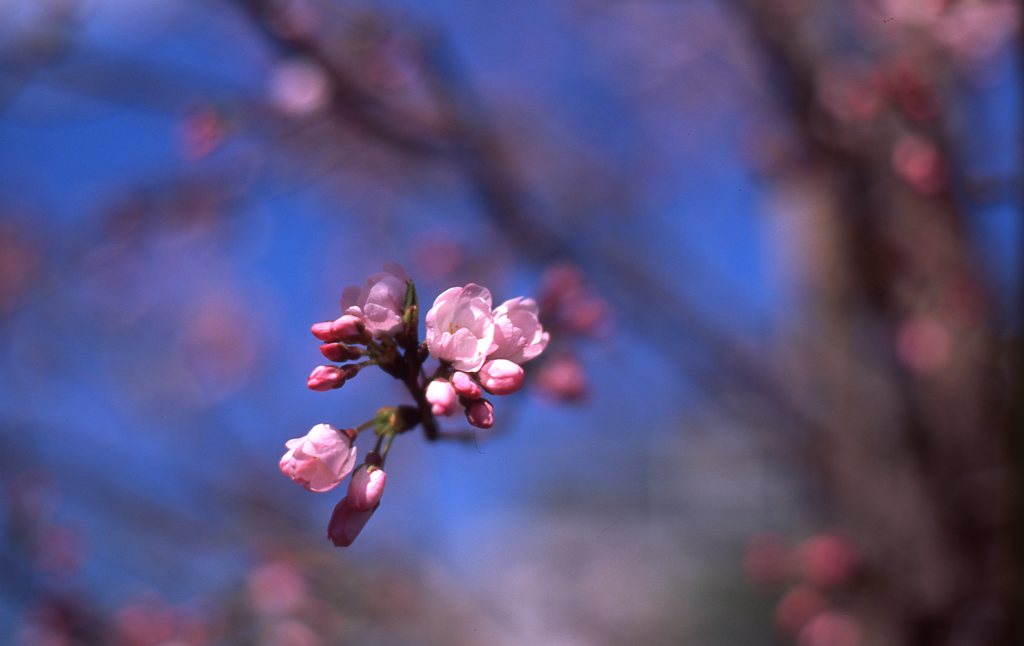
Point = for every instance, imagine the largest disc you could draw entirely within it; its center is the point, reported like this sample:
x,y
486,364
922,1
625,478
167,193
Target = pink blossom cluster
x,y
478,348
485,349
812,573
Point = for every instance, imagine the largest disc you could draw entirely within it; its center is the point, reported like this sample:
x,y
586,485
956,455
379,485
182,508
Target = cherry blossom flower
x,y
501,376
380,302
518,334
442,397
321,459
459,327
366,488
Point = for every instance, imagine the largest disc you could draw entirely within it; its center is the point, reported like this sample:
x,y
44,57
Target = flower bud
x,y
346,523
465,386
442,398
340,352
326,377
366,488
480,413
321,459
347,328
502,377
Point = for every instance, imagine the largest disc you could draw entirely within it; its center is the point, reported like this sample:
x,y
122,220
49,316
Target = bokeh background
x,y
780,246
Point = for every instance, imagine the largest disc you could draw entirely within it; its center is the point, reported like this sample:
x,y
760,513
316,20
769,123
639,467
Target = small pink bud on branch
x,y
480,413
340,352
320,459
465,386
326,377
347,329
502,377
442,397
346,523
366,488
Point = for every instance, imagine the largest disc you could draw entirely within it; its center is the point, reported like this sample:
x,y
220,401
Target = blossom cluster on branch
x,y
479,349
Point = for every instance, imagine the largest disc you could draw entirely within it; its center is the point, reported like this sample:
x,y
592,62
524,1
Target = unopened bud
x,y
442,397
326,377
347,329
502,377
346,523
465,386
480,413
340,352
366,488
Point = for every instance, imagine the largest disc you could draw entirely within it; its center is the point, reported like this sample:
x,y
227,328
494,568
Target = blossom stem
x,y
427,415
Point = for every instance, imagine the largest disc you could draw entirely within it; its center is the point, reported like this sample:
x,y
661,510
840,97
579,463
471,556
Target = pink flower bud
x,y
322,330
347,328
346,523
325,378
321,459
480,413
465,386
442,398
502,377
366,488
340,352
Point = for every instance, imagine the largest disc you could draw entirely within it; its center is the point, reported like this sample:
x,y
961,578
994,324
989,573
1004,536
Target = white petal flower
x,y
518,334
459,327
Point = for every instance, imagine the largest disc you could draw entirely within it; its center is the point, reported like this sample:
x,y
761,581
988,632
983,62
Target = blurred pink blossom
x,y
923,344
827,560
276,588
291,632
562,378
441,395
919,163
380,302
831,628
202,132
321,459
797,607
299,87
767,559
